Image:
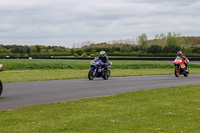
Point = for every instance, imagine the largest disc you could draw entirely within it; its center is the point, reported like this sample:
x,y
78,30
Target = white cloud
x,y
64,22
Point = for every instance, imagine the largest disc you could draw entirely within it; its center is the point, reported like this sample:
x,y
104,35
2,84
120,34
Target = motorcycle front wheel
x,y
106,75
187,73
90,75
176,72
1,87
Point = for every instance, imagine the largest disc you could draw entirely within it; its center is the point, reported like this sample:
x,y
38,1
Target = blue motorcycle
x,y
97,70
1,85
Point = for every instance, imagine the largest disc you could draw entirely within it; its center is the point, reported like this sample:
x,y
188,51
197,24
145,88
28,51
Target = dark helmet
x,y
102,53
179,53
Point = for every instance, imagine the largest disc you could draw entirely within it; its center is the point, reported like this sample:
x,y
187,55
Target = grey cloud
x,y
66,21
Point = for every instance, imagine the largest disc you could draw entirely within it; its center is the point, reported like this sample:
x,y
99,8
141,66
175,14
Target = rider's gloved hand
x,y
102,63
186,62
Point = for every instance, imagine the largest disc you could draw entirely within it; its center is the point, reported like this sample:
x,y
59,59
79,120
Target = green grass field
x,y
166,110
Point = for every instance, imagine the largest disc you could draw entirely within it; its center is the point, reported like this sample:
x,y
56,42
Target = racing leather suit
x,y
104,60
185,60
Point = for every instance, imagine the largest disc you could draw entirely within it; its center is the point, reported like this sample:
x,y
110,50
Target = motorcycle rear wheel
x,y
1,87
90,75
176,72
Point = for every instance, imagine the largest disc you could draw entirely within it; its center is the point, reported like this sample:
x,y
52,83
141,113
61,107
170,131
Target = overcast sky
x,y
65,22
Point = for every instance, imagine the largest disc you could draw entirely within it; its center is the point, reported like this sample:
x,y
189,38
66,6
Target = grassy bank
x,y
166,110
25,64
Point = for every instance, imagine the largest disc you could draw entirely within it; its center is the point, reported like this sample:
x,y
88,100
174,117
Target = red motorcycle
x,y
180,68
1,88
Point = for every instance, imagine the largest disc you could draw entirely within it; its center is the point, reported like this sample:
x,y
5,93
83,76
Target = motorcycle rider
x,y
185,59
104,59
1,67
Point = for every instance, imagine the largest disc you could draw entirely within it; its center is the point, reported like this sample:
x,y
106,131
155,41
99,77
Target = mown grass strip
x,y
168,110
39,75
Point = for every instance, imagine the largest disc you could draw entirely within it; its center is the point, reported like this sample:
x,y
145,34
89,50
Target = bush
x,y
96,54
75,54
26,55
84,55
92,55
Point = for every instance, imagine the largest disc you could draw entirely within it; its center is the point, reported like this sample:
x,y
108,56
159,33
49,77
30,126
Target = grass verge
x,y
166,110
39,75
24,64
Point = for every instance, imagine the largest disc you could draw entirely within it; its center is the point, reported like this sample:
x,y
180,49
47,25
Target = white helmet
x,y
179,53
102,53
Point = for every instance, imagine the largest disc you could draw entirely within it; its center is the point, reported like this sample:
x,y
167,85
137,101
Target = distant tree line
x,y
36,50
161,45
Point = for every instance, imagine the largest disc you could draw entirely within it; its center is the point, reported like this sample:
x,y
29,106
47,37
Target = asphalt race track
x,y
22,94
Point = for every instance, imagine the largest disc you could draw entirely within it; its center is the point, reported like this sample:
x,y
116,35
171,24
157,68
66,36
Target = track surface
x,y
22,94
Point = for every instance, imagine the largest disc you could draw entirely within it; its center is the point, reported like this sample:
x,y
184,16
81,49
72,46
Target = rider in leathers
x,y
104,59
185,59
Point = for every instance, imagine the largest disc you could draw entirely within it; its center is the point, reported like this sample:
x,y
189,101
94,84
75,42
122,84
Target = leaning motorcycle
x,y
1,85
180,68
97,70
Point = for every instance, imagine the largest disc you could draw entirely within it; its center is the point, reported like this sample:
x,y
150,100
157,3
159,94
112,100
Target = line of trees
x,y
36,50
161,45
